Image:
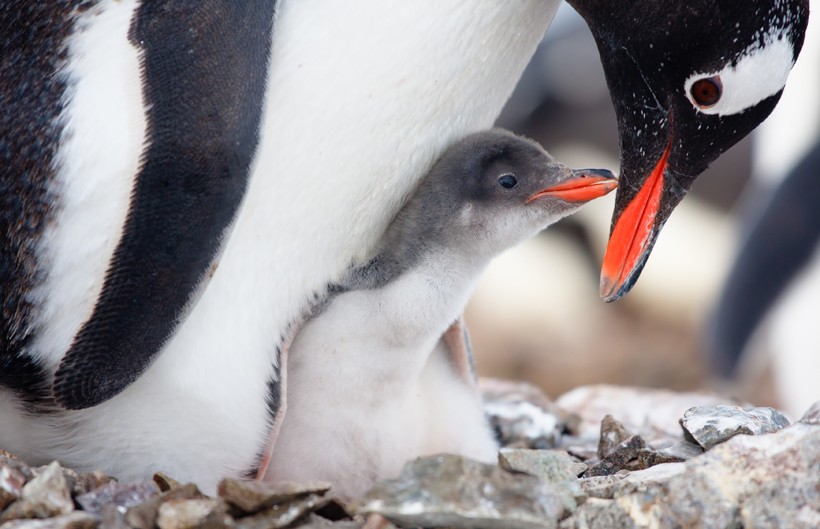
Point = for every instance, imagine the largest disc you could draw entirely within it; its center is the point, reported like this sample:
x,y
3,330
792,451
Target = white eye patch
x,y
760,72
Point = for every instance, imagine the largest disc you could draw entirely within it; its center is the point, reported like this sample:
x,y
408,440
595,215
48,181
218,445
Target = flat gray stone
x,y
555,466
282,514
712,425
451,491
622,484
552,465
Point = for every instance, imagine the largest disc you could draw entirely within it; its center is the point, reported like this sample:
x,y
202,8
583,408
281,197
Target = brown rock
x,y
282,514
613,433
74,520
205,513
46,495
619,458
253,496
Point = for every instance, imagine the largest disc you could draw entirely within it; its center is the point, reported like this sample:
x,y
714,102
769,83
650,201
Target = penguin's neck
x,y
420,303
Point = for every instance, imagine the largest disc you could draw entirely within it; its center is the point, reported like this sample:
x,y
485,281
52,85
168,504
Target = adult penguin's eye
x,y
706,92
507,181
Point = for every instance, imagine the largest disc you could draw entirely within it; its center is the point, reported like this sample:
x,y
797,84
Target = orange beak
x,y
633,234
589,184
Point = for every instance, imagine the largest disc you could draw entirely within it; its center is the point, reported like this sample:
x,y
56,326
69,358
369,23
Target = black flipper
x,y
205,70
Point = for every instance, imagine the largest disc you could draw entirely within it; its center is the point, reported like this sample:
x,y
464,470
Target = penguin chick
x,y
373,377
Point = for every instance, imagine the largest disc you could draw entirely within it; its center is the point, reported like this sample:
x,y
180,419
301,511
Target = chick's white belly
x,y
359,406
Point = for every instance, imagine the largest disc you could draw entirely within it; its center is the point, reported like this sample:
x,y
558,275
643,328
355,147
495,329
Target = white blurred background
x,y
537,316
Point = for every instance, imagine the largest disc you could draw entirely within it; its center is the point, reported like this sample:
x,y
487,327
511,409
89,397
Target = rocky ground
x,y
598,457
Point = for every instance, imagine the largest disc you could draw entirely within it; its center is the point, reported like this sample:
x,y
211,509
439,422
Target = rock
x,y
85,482
556,466
521,415
282,514
46,495
613,434
165,482
618,458
584,449
335,510
377,521
313,521
712,425
775,473
117,494
766,481
621,484
622,513
552,465
113,517
650,413
205,513
812,415
681,450
648,458
74,520
451,491
144,515
13,476
253,496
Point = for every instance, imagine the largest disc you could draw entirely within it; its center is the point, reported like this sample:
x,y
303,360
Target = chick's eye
x,y
706,92
507,181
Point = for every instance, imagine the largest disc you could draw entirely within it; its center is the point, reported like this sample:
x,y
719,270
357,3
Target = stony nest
x,y
714,465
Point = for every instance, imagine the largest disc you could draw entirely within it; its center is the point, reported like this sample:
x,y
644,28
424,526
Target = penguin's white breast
x,y
97,162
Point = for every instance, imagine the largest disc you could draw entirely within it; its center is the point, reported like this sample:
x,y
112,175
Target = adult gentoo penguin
x,y
371,348
180,180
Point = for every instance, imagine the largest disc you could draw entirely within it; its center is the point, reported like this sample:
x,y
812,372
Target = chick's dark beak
x,y
584,185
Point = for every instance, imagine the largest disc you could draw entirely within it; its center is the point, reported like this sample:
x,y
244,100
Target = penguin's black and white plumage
x,y
772,290
375,348
180,180
780,250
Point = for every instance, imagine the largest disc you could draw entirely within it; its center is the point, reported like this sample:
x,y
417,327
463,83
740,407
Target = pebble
x,y
712,425
74,520
451,491
204,513
46,495
254,496
521,415
124,495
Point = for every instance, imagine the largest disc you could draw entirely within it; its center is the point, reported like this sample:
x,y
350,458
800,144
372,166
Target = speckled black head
x,y
486,193
688,80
